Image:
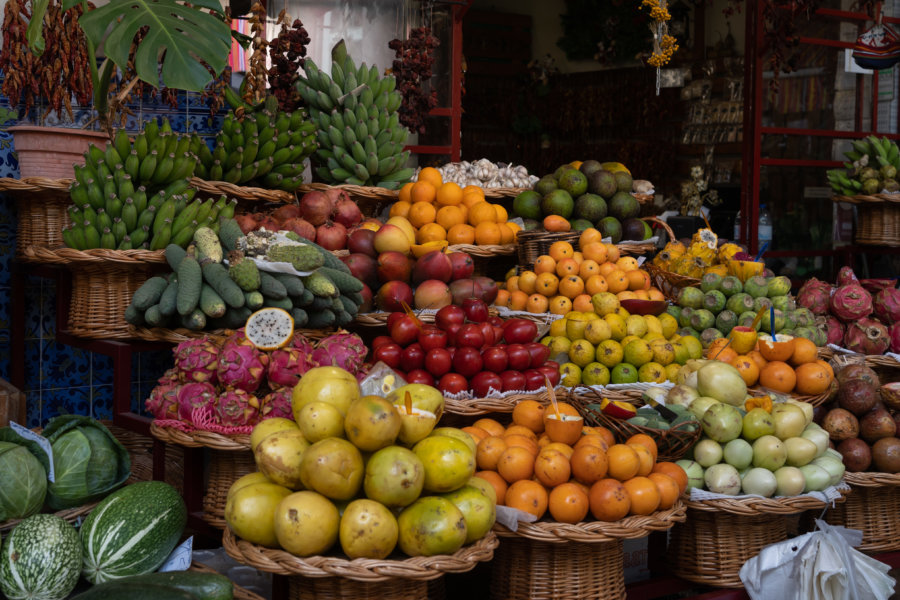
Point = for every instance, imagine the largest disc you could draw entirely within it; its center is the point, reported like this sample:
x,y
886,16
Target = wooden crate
x,y
12,404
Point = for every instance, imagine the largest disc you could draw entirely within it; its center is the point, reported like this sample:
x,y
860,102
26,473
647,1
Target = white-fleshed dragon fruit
x,y
344,350
241,366
286,366
276,404
195,395
196,360
236,408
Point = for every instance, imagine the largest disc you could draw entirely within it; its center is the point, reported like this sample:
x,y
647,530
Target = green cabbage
x,y
88,461
23,485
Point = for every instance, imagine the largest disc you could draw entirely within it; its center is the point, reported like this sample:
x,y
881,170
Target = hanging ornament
x,y
664,45
877,48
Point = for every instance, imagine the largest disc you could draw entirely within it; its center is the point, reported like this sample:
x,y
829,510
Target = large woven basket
x,y
176,336
371,200
669,283
472,407
532,244
877,218
547,560
253,194
720,535
872,509
42,215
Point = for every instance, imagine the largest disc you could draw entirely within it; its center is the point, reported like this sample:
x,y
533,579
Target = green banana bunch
x,y
354,110
260,146
872,167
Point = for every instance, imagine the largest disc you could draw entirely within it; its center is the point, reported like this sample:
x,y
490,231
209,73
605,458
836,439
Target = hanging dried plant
x,y
257,75
287,52
412,68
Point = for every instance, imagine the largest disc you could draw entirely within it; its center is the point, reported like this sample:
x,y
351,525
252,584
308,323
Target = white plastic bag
x,y
822,565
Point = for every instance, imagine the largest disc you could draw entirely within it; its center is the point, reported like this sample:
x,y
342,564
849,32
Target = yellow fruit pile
x,y
447,212
701,257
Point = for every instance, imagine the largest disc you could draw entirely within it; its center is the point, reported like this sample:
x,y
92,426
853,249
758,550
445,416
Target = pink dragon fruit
x,y
302,343
851,302
887,305
834,330
344,350
276,404
846,276
867,336
236,408
286,366
192,396
815,295
895,337
241,367
163,400
196,360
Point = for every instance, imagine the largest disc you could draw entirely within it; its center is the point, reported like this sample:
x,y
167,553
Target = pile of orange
x,y
535,473
565,279
786,367
442,211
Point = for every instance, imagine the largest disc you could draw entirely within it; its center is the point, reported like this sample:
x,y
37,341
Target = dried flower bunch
x,y
412,68
664,45
287,52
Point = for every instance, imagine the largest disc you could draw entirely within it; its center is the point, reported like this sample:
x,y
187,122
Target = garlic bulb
x,y
487,174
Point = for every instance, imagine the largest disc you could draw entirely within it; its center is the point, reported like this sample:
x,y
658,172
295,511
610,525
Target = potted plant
x,y
169,42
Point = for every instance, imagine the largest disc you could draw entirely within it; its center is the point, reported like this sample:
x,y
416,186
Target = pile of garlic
x,y
486,174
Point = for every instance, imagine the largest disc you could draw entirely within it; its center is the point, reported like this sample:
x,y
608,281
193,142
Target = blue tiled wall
x,y
59,378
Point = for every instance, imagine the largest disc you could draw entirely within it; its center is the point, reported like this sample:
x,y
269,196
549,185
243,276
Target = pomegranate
x,y
851,302
336,194
285,212
887,305
331,236
895,337
347,213
246,222
867,336
301,227
266,222
315,207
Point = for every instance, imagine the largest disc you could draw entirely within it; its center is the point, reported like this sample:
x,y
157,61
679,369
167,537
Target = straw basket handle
x,y
662,224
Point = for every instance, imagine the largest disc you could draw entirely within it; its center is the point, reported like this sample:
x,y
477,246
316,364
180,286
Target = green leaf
x,y
35,32
179,37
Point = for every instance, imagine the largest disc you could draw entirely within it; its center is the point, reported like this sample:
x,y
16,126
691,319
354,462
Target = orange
x,y
528,496
641,294
589,464
551,467
827,367
470,199
515,463
431,175
589,236
606,268
595,284
627,263
726,355
527,281
545,264
560,305
537,304
804,352
522,441
778,376
461,234
668,489
473,190
518,300
777,350
646,459
588,268
448,216
655,294
566,449
530,414
568,503
487,234
465,212
585,489
757,358
605,433
400,209
547,284
512,284
566,267
492,426
564,409
626,295
556,223
449,194
561,250
488,452
404,193
747,367
594,251
644,495
499,484
582,303
638,279
592,439
644,440
609,500
617,281
624,462
481,213
520,430
421,213
507,233
476,433
571,286
431,232
673,471
612,252
502,215
716,345
544,440
514,227
578,257
812,379
502,298
422,191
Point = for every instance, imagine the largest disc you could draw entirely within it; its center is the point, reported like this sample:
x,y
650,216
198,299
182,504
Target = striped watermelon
x,y
40,560
132,531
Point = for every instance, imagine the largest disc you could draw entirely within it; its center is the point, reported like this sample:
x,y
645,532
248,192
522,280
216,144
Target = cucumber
x,y
320,304
209,586
253,300
121,589
343,318
211,303
300,317
149,293
174,255
195,320
217,276
229,233
271,287
349,305
291,283
304,300
321,319
234,318
284,303
133,316
190,282
345,283
154,316
167,305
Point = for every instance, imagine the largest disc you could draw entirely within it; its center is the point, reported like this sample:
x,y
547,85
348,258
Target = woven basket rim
x,y
379,319
239,592
370,192
34,184
200,439
593,532
506,404
486,251
671,278
176,336
94,256
871,479
69,515
868,198
749,507
242,192
421,568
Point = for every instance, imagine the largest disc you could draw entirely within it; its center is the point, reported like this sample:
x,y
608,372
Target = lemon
x,y
546,340
575,325
609,353
652,372
604,303
597,331
682,354
628,338
668,323
695,348
582,352
595,374
663,352
558,327
638,352
621,312
559,345
616,326
636,325
624,373
570,374
672,371
653,324
650,336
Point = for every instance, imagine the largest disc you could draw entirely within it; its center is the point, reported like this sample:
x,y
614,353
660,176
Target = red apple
x,y
539,353
453,383
394,317
452,330
413,357
389,354
489,289
464,288
452,351
519,331
534,380
393,266
360,241
498,335
391,294
368,298
449,314
495,359
469,335
434,265
467,361
419,376
488,332
495,321
551,372
519,357
404,331
433,294
438,361
381,340
463,265
484,382
430,337
512,380
363,267
476,310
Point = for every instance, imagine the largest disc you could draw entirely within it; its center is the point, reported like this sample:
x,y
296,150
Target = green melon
x,y
40,560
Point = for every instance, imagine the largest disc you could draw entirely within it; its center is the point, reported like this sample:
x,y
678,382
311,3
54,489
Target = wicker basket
x,y
254,194
70,515
176,336
239,592
871,508
671,444
720,535
669,283
549,560
379,319
877,218
371,200
532,244
42,212
471,407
